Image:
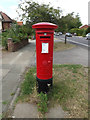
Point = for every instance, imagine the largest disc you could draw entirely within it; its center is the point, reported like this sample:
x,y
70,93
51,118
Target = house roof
x,y
84,26
5,18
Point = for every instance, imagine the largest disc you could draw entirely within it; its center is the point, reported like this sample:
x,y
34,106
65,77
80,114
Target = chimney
x,y
20,23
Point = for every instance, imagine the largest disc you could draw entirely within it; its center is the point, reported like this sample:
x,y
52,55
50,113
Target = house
x,y
5,21
0,22
20,23
84,27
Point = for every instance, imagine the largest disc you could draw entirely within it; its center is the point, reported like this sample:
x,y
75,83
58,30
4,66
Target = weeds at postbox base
x,y
70,90
42,104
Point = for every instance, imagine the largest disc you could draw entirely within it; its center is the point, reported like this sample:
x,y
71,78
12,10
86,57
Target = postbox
x,y
44,54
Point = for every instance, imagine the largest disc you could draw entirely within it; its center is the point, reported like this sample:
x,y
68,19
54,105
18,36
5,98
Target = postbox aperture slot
x,y
45,36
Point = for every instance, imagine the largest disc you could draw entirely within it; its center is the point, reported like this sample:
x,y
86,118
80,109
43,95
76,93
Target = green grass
x,y
59,46
1,116
70,90
0,38
12,94
5,102
27,86
29,83
42,104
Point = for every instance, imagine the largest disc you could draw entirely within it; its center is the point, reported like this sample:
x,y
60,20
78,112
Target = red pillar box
x,y
44,54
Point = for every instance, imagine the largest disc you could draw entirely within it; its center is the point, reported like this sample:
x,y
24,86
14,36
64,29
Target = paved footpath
x,y
77,55
13,65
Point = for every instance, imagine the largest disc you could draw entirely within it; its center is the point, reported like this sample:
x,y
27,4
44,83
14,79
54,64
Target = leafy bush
x,y
28,29
4,40
16,32
84,33
78,31
88,30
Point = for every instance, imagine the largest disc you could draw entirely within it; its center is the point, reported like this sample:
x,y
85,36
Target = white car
x,y
68,34
60,33
88,36
57,34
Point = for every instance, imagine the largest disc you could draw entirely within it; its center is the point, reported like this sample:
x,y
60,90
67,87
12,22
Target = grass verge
x,y
70,90
28,84
59,46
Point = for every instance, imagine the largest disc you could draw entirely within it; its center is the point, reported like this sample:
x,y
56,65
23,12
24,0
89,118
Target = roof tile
x,y
5,17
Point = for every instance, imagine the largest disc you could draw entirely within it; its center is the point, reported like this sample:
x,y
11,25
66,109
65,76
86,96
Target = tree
x,y
77,21
88,30
34,13
69,21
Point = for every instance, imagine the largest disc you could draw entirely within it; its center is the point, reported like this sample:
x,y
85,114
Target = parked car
x,y
88,36
68,34
60,33
57,34
75,34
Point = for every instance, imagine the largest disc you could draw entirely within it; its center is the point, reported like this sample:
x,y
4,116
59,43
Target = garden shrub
x,y
78,31
16,32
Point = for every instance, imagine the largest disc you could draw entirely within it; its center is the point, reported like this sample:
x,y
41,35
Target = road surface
x,y
79,40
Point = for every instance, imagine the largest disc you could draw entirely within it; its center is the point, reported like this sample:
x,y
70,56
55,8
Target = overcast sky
x,y
67,6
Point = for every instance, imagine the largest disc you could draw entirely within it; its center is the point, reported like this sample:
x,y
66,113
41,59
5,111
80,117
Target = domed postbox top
x,y
44,25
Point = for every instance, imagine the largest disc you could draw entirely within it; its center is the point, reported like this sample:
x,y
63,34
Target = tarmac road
x,y
79,40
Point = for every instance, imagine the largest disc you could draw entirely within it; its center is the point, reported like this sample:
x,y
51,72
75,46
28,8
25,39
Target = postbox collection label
x,y
45,47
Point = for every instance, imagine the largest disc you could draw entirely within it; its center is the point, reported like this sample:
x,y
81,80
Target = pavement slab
x,y
56,112
13,65
9,83
76,55
25,110
4,72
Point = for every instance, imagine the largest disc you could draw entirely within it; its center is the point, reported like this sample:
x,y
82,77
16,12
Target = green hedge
x,y
80,32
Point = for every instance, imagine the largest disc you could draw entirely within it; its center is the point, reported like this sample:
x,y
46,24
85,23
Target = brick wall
x,y
6,26
12,47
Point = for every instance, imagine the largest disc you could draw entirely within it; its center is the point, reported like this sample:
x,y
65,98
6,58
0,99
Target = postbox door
x,y
44,48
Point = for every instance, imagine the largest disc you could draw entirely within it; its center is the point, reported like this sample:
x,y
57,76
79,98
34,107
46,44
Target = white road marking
x,y
16,58
77,42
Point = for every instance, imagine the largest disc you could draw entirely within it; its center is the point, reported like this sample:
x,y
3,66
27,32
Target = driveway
x,y
13,65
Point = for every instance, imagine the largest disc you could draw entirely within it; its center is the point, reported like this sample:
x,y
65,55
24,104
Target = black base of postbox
x,y
44,85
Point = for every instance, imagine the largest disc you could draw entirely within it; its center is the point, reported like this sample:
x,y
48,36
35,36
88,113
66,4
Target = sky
x,y
67,6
